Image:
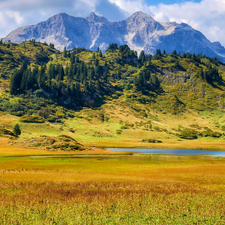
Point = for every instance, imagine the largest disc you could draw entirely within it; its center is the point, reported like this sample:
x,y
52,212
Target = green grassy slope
x,y
166,97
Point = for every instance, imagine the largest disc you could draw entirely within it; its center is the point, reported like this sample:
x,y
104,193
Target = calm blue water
x,y
170,151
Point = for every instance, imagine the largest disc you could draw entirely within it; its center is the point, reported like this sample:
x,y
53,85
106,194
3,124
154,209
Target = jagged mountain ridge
x,y
140,31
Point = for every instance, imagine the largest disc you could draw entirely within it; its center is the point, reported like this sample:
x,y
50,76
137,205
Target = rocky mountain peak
x,y
92,16
57,17
95,18
143,23
140,32
141,17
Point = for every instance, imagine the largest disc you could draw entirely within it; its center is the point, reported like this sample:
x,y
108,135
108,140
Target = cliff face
x,y
140,32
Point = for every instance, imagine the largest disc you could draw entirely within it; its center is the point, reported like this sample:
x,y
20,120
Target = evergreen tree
x,y
105,75
176,65
96,62
16,130
74,69
65,52
128,86
201,73
77,60
119,75
85,86
61,73
29,83
174,53
49,77
78,74
41,76
66,71
97,71
34,77
70,73
98,86
68,54
158,52
142,56
23,81
91,73
72,59
77,87
16,78
72,89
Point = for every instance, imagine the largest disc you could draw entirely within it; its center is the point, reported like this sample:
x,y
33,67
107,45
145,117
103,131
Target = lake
x,y
170,151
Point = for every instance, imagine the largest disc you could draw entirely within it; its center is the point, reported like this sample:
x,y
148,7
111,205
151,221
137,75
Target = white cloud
x,y
15,13
15,16
131,6
207,16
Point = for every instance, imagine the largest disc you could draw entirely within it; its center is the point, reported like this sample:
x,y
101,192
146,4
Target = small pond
x,y
170,151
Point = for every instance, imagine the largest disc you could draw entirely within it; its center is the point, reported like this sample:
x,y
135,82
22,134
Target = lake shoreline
x,y
100,148
188,145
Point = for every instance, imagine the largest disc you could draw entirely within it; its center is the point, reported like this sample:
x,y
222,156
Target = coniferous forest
x,y
40,83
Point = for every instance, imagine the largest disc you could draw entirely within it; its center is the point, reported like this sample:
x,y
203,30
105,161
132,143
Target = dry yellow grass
x,y
193,144
6,150
109,189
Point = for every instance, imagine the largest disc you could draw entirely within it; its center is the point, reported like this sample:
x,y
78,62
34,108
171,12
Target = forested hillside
x,y
40,84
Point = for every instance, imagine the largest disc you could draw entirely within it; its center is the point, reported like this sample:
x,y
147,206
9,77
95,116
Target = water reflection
x,y
144,155
171,151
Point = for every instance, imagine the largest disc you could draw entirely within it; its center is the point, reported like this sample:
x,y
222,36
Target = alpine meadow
x,y
61,109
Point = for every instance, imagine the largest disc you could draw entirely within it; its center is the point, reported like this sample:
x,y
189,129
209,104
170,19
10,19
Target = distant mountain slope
x,y
140,31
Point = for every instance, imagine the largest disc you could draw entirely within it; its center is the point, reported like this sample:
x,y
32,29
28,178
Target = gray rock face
x,y
140,32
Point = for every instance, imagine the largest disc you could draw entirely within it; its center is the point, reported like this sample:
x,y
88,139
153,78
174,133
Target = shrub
x,y
143,113
6,132
188,134
151,141
158,129
118,131
128,86
194,126
52,119
210,133
32,119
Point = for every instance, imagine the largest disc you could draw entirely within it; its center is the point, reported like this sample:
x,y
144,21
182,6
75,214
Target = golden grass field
x,y
96,186
109,189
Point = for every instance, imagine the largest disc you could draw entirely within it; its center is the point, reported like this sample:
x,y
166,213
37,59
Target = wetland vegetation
x,y
113,189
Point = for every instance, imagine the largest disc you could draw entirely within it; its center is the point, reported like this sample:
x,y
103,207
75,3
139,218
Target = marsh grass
x,y
112,190
109,203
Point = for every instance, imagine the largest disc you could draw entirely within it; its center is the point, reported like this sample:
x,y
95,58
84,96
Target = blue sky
x,y
166,2
207,16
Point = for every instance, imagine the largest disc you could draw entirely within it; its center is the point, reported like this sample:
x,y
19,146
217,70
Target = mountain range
x,y
140,32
